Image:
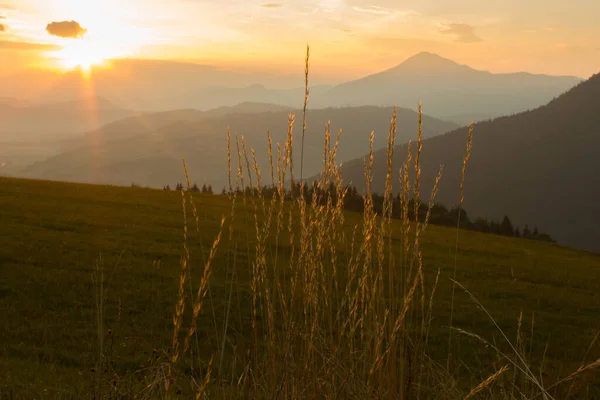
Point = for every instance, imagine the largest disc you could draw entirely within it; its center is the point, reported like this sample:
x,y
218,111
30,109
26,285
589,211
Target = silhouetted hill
x,y
148,123
448,89
153,158
220,96
24,148
540,167
248,107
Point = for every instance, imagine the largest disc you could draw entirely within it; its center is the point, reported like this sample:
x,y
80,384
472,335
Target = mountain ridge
x,y
153,158
536,166
449,89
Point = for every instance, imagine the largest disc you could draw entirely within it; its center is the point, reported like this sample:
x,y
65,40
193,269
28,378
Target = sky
x,y
348,38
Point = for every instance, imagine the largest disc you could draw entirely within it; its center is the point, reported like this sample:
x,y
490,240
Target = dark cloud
x,y
3,28
25,46
463,33
272,5
66,29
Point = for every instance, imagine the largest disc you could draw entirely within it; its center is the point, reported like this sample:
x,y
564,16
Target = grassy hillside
x,y
53,234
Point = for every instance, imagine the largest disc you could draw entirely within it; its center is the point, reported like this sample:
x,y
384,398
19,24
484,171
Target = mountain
x,y
448,89
153,157
248,107
159,85
44,121
13,102
220,96
147,123
27,147
27,83
540,167
31,132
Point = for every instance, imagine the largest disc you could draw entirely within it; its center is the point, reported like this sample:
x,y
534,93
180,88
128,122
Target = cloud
x,y
463,33
272,5
66,29
25,46
372,10
3,28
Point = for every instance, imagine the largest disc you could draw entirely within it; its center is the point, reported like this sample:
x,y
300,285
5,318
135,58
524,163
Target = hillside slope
x,y
154,158
53,137
150,122
54,233
540,167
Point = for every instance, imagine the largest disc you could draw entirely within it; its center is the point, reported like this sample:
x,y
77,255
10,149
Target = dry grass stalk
x,y
229,159
306,94
289,144
201,392
257,174
203,285
240,169
248,169
462,199
486,382
180,306
417,183
271,164
434,191
404,207
522,364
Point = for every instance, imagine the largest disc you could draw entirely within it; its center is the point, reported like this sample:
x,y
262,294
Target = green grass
x,y
52,234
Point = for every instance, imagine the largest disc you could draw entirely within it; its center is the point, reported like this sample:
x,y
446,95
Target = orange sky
x,y
349,38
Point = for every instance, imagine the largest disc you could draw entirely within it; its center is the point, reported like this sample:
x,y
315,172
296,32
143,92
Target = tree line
x,y
354,201
206,189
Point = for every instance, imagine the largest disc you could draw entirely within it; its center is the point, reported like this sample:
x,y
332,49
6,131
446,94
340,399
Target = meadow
x,y
60,241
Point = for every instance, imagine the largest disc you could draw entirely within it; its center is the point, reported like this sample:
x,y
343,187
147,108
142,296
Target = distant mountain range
x,y
152,157
32,133
158,85
147,123
24,121
449,90
539,167
13,102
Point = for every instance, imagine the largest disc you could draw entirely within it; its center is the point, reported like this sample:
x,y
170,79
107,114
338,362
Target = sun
x,y
83,54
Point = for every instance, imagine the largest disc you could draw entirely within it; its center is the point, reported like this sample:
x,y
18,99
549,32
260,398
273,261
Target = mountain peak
x,y
429,61
428,56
